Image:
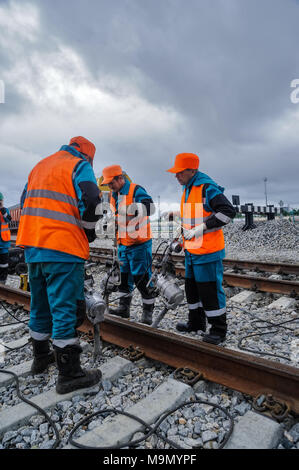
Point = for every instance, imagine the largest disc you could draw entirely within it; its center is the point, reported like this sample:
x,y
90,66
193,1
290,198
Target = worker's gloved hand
x,y
3,211
195,232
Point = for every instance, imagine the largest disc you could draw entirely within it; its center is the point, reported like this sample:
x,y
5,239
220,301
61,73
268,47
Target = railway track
x,y
76,408
285,268
262,284
246,373
179,414
232,279
235,279
201,363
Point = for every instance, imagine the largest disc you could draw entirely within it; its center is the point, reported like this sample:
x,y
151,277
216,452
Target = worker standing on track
x,y
5,236
132,207
204,210
56,225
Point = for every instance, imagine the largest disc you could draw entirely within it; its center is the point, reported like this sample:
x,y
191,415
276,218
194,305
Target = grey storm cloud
x,y
146,80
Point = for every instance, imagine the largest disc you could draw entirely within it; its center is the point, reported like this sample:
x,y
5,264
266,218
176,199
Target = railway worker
x,y
56,225
132,207
5,218
204,211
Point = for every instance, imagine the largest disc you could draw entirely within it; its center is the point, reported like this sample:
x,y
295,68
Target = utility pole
x,y
281,203
265,181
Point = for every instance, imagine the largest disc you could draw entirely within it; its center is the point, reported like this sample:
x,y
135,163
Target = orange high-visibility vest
x,y
131,230
50,217
193,214
4,232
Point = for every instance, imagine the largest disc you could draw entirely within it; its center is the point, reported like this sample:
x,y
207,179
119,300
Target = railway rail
x,y
243,372
262,284
235,279
279,268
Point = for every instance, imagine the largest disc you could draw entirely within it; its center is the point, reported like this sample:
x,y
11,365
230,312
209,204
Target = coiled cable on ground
x,y
269,324
152,429
38,408
14,323
9,313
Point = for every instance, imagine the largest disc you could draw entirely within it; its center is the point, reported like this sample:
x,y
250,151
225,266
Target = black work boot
x,y
71,376
147,314
43,356
196,321
123,310
3,276
218,330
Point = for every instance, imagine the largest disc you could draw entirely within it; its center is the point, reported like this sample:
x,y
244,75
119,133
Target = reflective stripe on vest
x,y
193,214
50,218
131,229
5,232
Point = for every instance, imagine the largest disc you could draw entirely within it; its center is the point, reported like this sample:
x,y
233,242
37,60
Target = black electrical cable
x,y
152,429
269,325
9,313
256,351
15,349
190,404
15,323
101,412
16,378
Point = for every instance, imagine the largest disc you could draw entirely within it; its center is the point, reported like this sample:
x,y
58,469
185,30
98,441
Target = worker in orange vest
x,y
5,236
57,223
204,211
132,206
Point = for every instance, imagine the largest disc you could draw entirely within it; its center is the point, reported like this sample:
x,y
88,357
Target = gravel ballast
x,y
201,425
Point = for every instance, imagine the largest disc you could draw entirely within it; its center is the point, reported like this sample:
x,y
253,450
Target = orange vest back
x,y
50,217
130,229
5,232
193,214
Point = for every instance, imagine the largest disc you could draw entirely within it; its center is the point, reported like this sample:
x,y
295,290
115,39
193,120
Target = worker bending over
x,y
132,207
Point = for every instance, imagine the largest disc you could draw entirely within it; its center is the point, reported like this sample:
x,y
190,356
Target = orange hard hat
x,y
184,161
84,146
109,172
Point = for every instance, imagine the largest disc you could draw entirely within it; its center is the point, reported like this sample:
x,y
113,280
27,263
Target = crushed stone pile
x,y
276,240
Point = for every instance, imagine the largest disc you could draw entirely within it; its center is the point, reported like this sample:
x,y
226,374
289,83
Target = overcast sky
x,y
148,79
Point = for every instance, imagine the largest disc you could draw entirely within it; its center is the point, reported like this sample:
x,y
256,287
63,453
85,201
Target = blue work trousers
x,y
135,267
203,285
57,299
